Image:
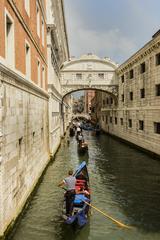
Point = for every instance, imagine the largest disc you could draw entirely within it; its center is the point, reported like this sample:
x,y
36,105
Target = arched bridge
x,y
81,115
89,72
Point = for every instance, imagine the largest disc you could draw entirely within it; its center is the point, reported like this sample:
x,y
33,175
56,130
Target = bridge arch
x,y
89,72
113,94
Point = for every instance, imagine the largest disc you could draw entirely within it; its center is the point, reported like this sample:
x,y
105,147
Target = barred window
x,y
121,119
101,75
141,125
142,93
157,89
79,76
157,127
131,74
158,59
130,123
131,96
142,67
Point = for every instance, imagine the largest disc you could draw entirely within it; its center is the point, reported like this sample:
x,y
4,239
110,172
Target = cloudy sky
x,y
110,28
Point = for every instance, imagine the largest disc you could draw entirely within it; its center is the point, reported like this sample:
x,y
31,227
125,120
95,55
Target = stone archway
x,y
89,72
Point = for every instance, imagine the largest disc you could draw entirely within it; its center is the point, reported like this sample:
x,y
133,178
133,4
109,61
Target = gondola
x,y
83,147
71,132
81,209
97,131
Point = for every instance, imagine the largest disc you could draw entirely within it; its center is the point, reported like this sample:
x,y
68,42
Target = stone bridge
x,y
87,73
81,115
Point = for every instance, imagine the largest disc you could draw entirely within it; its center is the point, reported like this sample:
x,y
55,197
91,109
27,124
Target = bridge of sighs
x,y
89,72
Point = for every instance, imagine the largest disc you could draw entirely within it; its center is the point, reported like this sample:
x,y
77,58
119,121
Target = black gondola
x,y
83,147
81,209
71,132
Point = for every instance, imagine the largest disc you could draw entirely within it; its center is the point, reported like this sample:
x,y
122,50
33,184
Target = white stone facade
x,y
88,72
57,49
136,117
31,123
23,142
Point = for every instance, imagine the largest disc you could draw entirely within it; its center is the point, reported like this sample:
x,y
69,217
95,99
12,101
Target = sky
x,y
110,28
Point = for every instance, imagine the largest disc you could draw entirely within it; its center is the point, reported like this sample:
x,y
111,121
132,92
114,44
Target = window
x,y
111,100
9,41
28,61
38,20
27,6
142,67
130,123
122,97
101,75
38,73
110,119
121,119
142,93
157,127
103,102
122,78
107,101
103,118
116,120
131,96
157,89
79,76
158,59
131,74
106,119
141,125
43,77
42,32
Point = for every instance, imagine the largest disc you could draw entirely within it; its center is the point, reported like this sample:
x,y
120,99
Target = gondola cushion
x,y
79,199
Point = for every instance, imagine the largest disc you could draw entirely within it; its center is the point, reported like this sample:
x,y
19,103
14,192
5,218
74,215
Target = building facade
x,y
135,116
89,95
89,72
33,46
58,52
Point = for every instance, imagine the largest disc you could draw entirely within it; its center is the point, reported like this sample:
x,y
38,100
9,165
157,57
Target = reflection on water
x,y
125,184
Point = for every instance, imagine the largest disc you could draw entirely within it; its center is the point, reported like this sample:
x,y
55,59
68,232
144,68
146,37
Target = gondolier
x,y
70,183
77,200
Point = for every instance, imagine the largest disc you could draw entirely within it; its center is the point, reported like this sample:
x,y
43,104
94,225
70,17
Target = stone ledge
x,y
12,78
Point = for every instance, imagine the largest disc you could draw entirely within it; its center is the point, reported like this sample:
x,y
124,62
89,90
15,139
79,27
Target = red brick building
x,y
23,38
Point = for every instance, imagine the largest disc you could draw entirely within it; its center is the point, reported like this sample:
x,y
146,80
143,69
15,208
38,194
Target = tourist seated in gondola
x,y
81,176
82,190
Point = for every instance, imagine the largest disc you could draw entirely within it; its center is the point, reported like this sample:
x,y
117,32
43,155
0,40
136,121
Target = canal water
x,y
125,184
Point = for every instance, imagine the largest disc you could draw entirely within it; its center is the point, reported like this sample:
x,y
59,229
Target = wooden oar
x,y
106,215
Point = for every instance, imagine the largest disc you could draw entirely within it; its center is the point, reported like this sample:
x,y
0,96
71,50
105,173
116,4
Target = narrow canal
x,y
125,184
